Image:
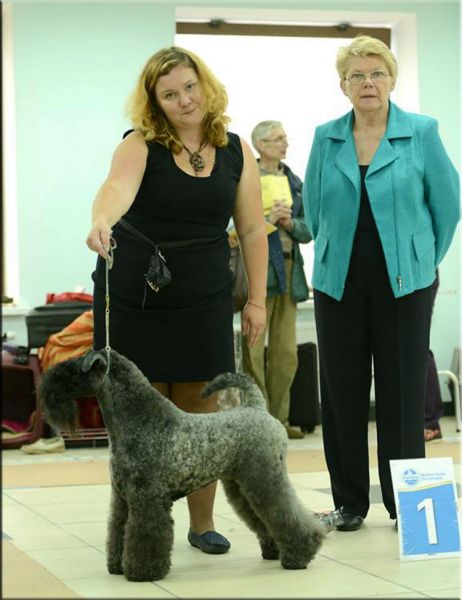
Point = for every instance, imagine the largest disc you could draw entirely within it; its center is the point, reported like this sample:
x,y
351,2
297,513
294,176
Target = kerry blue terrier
x,y
160,453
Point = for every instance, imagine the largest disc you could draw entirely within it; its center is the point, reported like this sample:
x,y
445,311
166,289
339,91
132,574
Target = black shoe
x,y
345,521
210,542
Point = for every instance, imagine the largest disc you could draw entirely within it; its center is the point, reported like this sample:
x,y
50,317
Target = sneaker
x,y
294,434
45,446
210,542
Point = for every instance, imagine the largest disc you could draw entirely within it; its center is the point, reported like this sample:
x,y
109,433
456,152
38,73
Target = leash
x,y
109,265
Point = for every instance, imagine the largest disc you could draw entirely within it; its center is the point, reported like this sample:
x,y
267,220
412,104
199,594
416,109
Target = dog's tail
x,y
63,383
252,394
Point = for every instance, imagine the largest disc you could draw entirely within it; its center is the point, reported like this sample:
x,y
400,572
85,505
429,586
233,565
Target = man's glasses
x,y
375,77
279,140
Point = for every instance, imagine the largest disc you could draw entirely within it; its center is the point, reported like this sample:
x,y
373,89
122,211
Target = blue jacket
x,y
413,190
276,271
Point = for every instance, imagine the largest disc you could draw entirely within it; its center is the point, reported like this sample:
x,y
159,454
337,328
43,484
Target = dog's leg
x,y
115,536
269,549
296,532
148,538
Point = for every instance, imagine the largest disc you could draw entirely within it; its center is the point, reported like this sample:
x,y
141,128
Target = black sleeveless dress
x,y
185,331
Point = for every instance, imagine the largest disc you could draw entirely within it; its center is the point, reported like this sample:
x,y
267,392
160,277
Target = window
x,y
292,79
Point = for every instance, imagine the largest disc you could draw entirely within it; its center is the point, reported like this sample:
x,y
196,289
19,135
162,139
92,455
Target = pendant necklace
x,y
196,160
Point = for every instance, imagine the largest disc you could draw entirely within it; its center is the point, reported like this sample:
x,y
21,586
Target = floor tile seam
x,y
40,566
35,513
64,504
69,581
240,563
30,508
57,461
85,543
53,523
362,570
62,530
58,572
55,547
8,490
56,527
428,593
96,522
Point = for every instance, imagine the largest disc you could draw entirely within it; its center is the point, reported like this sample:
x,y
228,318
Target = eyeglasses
x,y
279,140
375,77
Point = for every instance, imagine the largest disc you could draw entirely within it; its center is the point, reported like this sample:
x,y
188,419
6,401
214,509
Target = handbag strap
x,y
180,244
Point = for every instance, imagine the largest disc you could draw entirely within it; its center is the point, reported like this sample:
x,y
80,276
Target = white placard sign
x,y
426,505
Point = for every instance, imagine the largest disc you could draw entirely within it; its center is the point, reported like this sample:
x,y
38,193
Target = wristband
x,y
257,305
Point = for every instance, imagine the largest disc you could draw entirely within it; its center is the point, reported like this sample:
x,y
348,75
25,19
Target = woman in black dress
x,y
178,177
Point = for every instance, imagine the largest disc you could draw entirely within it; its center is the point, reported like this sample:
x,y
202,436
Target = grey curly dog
x,y
160,453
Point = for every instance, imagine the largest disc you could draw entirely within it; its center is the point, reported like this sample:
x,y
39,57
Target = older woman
x,y
286,278
382,203
176,179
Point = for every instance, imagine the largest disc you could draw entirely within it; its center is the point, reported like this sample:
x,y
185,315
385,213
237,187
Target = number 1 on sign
x,y
427,504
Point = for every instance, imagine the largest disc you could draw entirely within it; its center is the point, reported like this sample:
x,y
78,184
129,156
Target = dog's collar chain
x,y
109,265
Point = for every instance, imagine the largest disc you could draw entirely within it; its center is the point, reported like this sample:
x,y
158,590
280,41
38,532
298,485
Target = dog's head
x,y
63,383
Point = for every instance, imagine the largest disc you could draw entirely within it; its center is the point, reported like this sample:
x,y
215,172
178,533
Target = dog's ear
x,y
94,360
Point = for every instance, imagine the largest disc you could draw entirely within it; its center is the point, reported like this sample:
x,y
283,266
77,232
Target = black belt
x,y
287,254
180,244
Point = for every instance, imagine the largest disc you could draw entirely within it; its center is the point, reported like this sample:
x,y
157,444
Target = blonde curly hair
x,y
147,116
365,45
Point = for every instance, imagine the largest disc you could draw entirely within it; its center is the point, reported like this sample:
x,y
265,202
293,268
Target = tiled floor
x,y
54,537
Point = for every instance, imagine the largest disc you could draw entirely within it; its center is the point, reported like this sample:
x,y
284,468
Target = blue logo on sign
x,y
411,477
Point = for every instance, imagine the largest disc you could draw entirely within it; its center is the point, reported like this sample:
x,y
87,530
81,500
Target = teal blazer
x,y
413,190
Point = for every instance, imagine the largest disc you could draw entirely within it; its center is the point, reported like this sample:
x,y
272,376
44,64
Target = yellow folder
x,y
275,188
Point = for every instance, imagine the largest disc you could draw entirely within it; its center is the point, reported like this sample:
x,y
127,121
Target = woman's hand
x,y
253,322
280,213
98,239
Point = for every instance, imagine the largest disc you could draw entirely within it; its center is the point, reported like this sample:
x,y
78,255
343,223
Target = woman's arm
x,y
442,190
311,189
118,192
251,230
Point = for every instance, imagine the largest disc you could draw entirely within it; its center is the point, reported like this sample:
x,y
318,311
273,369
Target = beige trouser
x,y
281,360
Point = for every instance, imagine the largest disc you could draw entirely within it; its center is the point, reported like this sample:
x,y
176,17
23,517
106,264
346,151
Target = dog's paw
x,y
115,569
150,573
293,565
269,551
270,554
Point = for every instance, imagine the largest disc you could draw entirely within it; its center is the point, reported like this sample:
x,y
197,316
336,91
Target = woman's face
x,y
179,95
368,83
274,145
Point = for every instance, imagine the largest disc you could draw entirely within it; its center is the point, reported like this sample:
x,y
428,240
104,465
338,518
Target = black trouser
x,y
368,322
434,407
433,399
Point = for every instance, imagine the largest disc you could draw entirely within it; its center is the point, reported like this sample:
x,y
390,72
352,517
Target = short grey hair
x,y
263,129
365,45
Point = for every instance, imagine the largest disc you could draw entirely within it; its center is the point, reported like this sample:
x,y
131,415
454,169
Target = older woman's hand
x,y
253,322
281,213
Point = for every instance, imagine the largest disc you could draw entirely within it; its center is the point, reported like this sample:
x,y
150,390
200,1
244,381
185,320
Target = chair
x,y
453,382
19,399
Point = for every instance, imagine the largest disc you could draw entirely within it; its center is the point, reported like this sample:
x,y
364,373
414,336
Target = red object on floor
x,y
68,297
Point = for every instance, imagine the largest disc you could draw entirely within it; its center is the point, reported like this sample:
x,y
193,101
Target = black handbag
x,y
240,284
158,274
